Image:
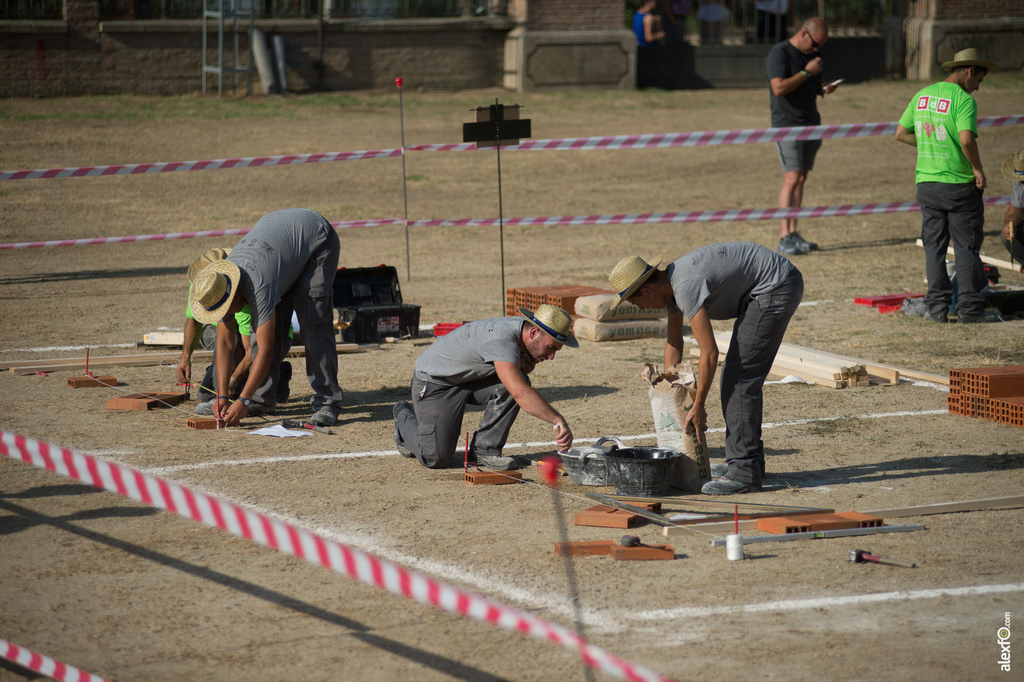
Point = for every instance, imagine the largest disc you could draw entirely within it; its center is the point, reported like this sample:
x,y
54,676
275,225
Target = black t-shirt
x,y
800,107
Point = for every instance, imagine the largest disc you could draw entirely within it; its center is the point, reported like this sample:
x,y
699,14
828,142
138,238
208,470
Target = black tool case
x,y
370,301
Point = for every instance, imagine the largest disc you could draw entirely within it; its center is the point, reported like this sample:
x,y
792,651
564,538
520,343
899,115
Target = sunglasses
x,y
815,45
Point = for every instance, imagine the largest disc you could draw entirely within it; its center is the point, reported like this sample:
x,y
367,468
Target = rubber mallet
x,y
859,556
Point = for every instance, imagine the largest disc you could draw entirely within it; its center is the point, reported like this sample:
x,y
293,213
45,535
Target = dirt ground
x,y
129,593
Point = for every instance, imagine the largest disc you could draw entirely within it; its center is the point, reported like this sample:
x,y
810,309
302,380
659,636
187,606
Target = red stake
x,y
465,462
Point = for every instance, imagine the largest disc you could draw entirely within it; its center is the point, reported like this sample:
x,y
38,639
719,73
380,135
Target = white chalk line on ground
x,y
58,348
599,619
163,470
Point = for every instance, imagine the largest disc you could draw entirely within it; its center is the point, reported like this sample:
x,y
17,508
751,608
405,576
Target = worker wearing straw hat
x,y
286,263
747,282
482,363
1013,221
195,331
942,122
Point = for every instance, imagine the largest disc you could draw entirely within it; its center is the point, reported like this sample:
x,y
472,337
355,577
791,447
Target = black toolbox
x,y
370,301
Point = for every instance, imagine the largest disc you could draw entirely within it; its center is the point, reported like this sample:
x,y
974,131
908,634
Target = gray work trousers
x,y
953,212
312,300
432,431
756,338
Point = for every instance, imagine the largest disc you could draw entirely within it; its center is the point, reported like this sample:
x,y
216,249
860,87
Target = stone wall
x,y
938,29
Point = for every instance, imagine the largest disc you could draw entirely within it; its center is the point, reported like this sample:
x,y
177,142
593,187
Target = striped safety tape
x,y
44,665
648,141
734,215
315,549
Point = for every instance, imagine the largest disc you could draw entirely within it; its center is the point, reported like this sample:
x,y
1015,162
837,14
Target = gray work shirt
x,y
721,278
468,353
273,255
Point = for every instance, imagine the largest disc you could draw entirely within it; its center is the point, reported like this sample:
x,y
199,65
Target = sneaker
x,y
975,319
325,416
787,247
499,463
206,408
802,244
728,486
283,392
395,411
941,318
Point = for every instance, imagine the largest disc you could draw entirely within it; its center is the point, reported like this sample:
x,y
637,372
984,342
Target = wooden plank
x,y
141,359
163,339
685,501
822,534
949,507
988,260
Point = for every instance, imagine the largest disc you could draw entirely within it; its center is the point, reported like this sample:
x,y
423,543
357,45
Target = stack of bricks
x,y
993,393
563,297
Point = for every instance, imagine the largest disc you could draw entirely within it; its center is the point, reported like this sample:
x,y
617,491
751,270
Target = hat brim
x,y
1008,170
569,339
983,63
205,315
639,282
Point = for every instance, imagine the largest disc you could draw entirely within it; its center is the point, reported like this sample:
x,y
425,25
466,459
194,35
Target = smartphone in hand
x,y
828,87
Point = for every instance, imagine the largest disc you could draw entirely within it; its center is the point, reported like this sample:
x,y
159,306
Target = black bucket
x,y
642,472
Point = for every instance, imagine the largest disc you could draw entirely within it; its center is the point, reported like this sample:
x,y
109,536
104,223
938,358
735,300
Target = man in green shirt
x,y
942,122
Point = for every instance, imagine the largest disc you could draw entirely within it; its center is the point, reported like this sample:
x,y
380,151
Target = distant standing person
x,y
286,263
739,280
771,20
1013,221
794,76
942,122
673,21
645,25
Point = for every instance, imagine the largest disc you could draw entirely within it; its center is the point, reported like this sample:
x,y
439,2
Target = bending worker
x,y
286,262
739,280
482,363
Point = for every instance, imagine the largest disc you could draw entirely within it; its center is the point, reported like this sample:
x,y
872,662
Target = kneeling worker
x,y
481,363
739,280
1013,221
286,263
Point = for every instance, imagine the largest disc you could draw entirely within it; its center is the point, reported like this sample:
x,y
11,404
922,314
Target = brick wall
x,y
566,15
964,9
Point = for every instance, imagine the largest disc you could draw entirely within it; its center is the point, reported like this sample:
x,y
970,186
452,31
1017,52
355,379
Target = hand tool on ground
x,y
291,424
859,556
630,541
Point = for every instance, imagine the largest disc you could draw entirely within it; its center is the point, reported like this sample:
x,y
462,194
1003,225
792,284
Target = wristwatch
x,y
806,75
245,401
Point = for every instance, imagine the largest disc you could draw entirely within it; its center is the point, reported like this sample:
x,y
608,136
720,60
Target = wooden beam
x,y
1012,267
141,359
949,507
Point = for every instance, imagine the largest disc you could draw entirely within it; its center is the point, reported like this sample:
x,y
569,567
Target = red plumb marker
x,y
398,82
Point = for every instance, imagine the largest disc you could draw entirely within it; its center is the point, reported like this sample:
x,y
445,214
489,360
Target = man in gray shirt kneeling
x,y
482,363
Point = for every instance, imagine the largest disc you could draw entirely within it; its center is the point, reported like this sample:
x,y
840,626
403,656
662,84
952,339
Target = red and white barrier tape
x,y
366,568
44,665
647,141
734,215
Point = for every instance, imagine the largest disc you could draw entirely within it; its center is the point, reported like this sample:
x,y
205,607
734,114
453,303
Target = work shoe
x,y
499,463
325,416
942,318
399,408
802,244
975,319
787,247
719,469
206,408
728,486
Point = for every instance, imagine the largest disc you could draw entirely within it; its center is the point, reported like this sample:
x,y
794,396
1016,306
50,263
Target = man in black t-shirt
x,y
794,77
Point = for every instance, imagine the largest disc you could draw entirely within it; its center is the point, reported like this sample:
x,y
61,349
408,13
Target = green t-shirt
x,y
937,114
242,317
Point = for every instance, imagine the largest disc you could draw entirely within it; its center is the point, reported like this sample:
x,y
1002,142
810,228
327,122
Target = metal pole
x,y
405,192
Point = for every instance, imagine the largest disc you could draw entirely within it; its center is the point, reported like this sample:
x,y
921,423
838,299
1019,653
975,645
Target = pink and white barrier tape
x,y
263,530
648,141
734,215
44,665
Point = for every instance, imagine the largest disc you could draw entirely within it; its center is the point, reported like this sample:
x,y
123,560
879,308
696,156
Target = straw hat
x,y
554,322
629,275
213,291
970,57
210,256
1013,167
